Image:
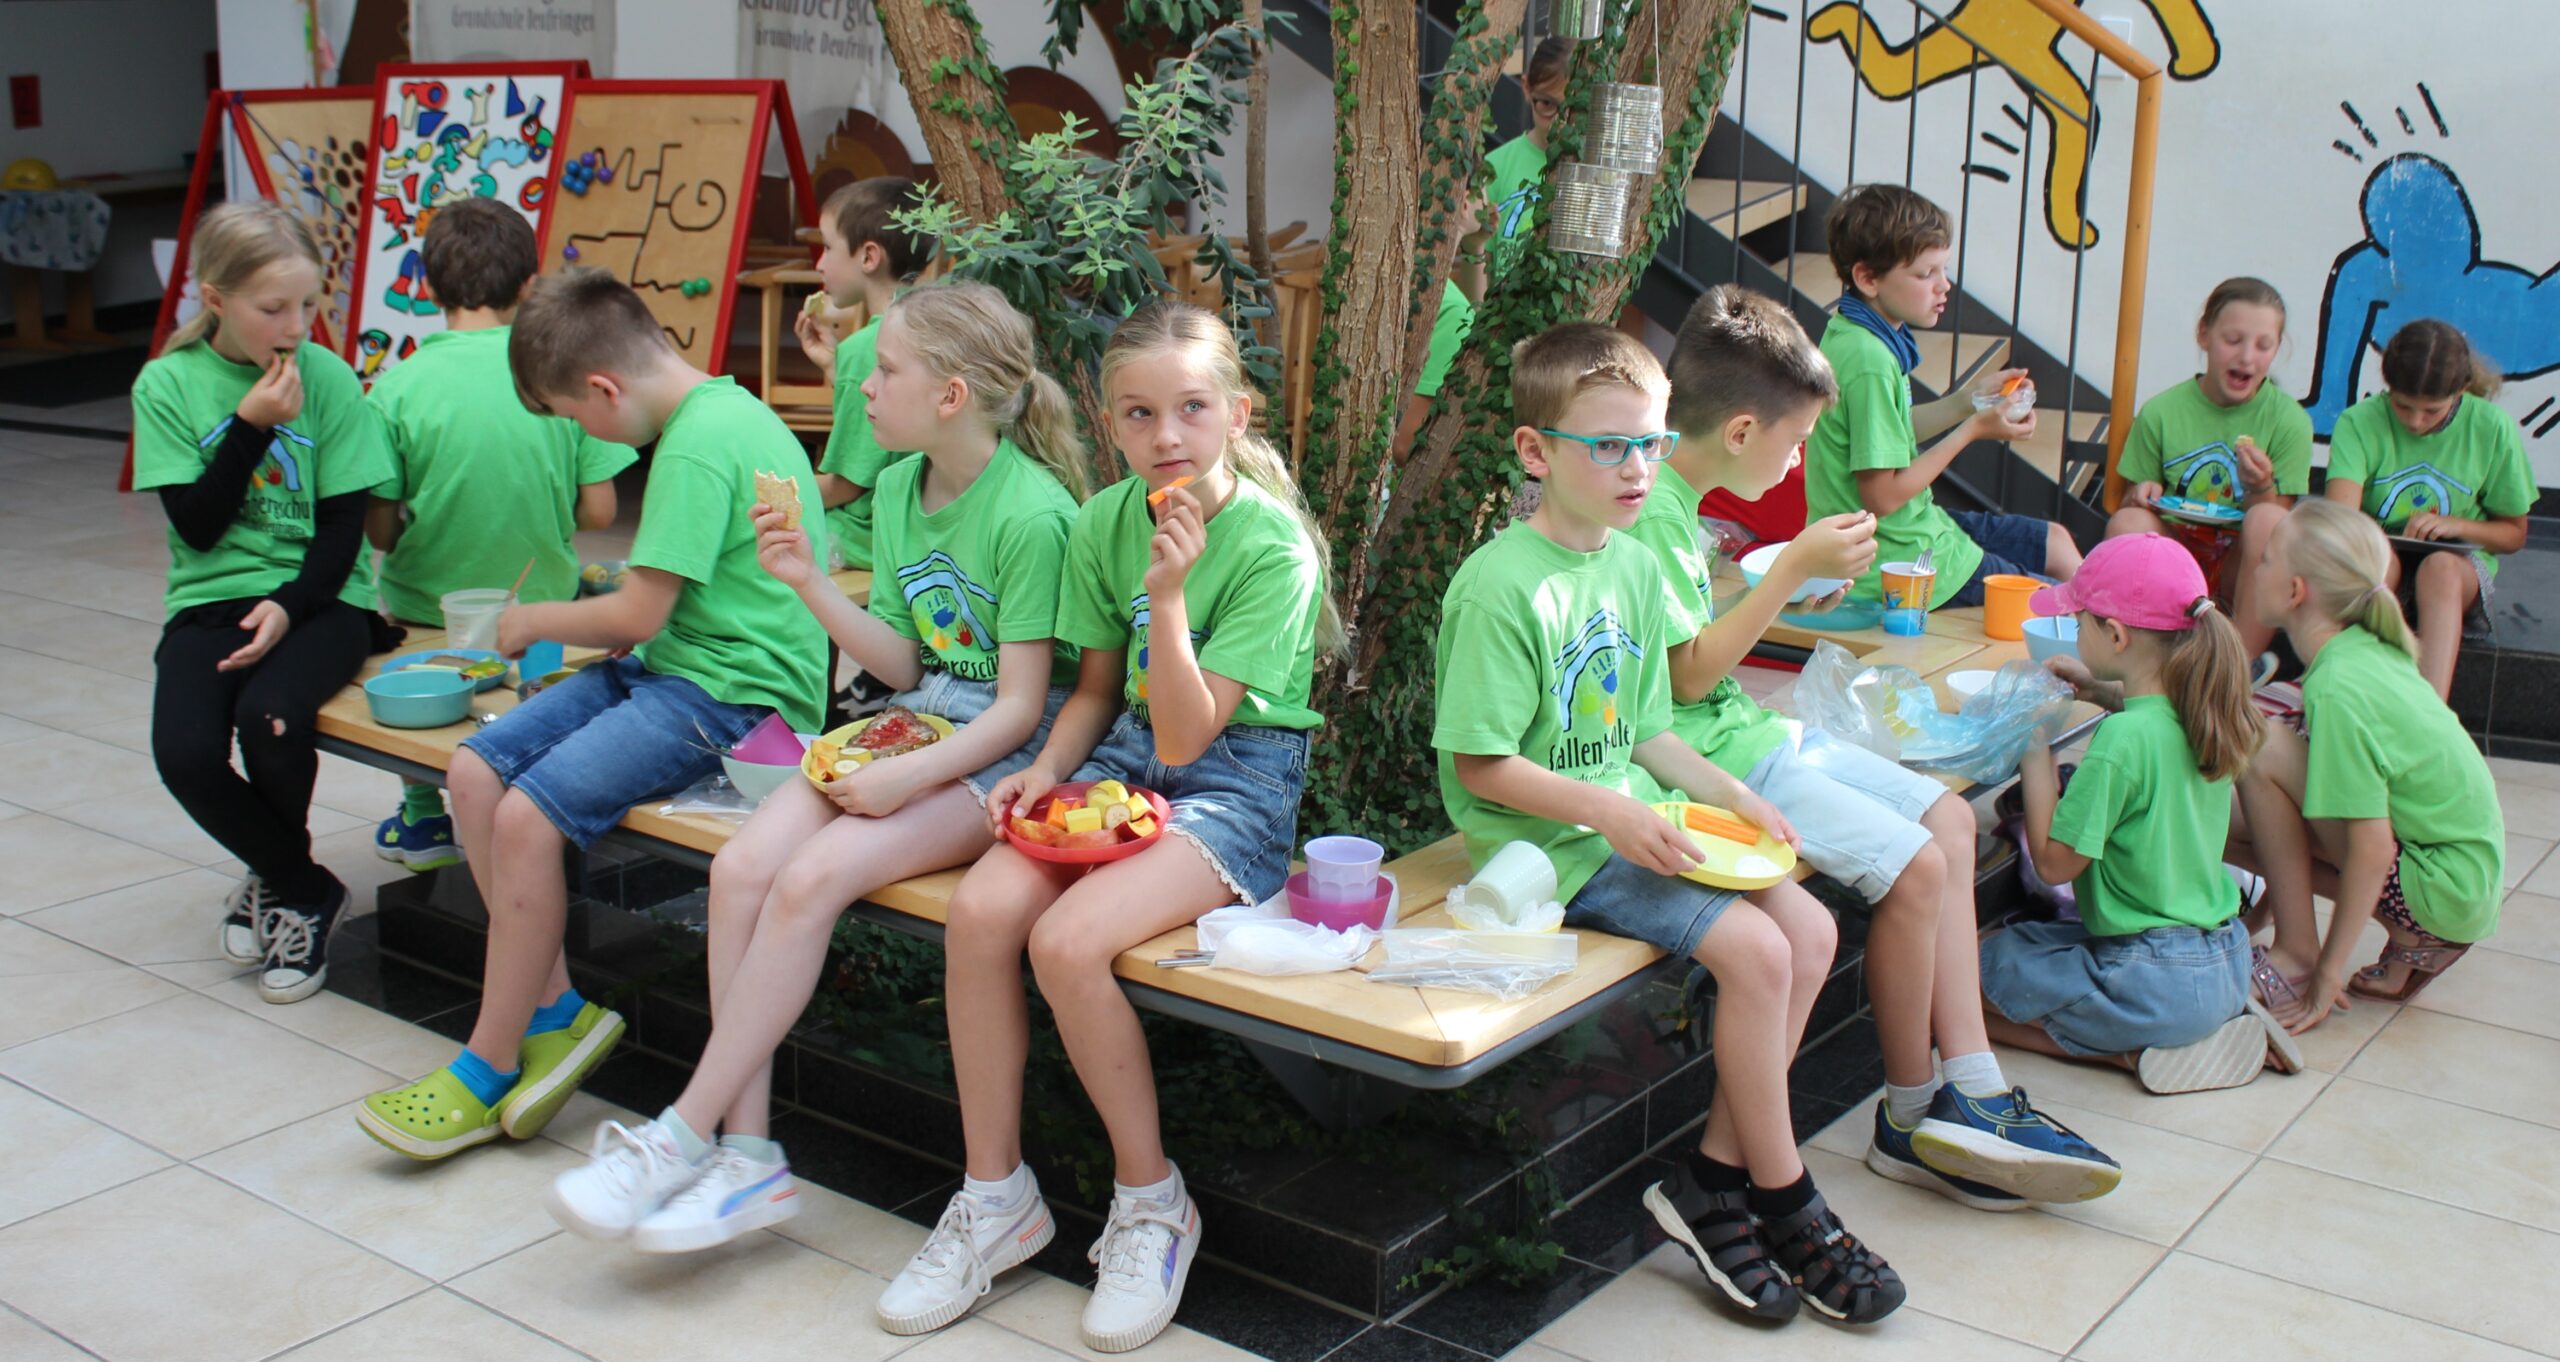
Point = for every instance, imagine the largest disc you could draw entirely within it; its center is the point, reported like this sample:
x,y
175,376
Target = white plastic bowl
x,y
1756,565
1966,684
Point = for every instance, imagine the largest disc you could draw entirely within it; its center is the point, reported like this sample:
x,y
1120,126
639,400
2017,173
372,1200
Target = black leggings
x,y
264,820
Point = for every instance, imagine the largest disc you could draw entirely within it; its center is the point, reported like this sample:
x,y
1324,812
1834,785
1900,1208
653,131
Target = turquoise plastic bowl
x,y
427,697
2052,636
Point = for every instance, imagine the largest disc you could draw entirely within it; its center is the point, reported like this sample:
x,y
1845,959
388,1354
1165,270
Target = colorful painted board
x,y
653,182
441,134
307,151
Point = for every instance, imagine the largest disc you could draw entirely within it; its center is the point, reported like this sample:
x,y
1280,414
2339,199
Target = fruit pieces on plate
x,y
1106,815
892,731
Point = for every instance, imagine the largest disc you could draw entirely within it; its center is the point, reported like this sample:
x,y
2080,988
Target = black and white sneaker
x,y
298,948
243,936
867,695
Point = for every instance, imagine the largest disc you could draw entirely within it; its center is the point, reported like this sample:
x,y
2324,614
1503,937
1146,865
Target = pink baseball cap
x,y
2146,580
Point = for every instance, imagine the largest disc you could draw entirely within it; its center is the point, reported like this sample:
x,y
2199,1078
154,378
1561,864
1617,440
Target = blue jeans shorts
x,y
2118,995
614,735
2010,543
1858,814
1663,911
1238,803
961,701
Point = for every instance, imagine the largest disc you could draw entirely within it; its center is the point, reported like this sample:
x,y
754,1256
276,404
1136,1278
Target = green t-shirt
x,y
2383,746
736,630
1519,177
1555,656
2182,440
2474,468
1253,598
1870,428
489,484
2151,825
851,453
980,572
183,404
1449,330
1728,727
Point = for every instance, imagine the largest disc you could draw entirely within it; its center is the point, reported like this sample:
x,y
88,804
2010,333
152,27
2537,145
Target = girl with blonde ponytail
x,y
969,541
2372,795
1196,589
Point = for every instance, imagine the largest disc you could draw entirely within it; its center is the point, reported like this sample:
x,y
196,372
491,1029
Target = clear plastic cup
x,y
471,617
1344,869
2014,404
1518,881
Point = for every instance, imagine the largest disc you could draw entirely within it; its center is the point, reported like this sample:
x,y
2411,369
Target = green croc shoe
x,y
554,1064
433,1118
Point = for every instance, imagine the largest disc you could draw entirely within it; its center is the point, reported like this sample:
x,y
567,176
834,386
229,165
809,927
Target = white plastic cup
x,y
1518,881
471,617
1344,869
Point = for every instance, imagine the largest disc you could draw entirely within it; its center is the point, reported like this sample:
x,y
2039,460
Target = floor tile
x,y
1539,1352
24,1340
2528,925
360,792
2533,810
343,1024
2243,1118
94,638
189,1075
2542,773
79,1156
2359,1241
65,694
1659,1312
2525,857
202,974
2488,1068
2193,1307
1052,1311
225,1275
156,922
975,1340
50,861
39,1005
432,1326
49,772
437,1219
2334,1044
862,1234
2485,986
2504,1167
757,1298
25,950
132,733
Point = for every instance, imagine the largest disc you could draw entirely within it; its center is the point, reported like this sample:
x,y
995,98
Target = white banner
x,y
831,55
513,30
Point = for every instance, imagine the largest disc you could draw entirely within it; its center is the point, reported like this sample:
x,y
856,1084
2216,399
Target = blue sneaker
x,y
1889,1156
2007,1144
423,845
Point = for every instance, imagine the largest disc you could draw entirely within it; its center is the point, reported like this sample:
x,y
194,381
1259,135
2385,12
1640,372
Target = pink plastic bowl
x,y
1338,916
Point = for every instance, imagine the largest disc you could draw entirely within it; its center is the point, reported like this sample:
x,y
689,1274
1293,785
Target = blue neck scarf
x,y
1896,338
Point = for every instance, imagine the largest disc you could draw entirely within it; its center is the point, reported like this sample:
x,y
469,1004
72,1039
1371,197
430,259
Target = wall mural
x,y
2013,33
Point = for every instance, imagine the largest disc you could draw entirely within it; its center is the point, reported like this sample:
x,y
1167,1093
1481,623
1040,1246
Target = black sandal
x,y
1834,1273
1725,1242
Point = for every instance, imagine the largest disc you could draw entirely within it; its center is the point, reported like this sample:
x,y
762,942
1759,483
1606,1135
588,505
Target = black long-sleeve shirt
x,y
202,511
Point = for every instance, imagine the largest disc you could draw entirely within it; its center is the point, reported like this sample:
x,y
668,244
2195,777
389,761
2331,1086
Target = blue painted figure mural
x,y
2421,258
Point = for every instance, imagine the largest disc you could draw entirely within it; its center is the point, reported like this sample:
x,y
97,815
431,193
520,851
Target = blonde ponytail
x,y
1045,426
2344,560
230,244
968,331
2205,672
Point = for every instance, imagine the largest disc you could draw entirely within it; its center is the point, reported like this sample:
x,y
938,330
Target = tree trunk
x,y
968,129
1257,132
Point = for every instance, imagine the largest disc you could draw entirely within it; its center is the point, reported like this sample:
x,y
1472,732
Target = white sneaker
x,y
628,1174
960,1260
1144,1257
735,1194
244,921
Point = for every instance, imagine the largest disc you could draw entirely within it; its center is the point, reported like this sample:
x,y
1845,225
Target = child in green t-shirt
x,y
1195,588
2227,437
703,645
1746,387
1890,247
2434,459
1554,726
2374,797
2154,975
478,487
1519,167
866,261
261,451
963,620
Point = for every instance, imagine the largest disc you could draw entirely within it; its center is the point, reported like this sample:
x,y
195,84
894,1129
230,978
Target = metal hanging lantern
x,y
1589,216
1578,21
1626,127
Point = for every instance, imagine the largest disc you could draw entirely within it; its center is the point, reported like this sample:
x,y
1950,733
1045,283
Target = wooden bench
x,y
1412,1037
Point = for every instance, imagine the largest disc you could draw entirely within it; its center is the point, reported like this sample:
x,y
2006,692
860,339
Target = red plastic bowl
x,y
1305,907
1087,855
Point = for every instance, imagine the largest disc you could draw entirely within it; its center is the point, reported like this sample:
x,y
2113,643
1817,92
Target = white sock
x,y
1905,1106
1161,1193
1975,1075
694,1148
1003,1193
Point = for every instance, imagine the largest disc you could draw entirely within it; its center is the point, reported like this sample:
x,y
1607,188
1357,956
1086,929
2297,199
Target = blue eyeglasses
x,y
1609,451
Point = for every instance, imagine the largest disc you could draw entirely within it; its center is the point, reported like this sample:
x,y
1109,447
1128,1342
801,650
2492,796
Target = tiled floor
x,y
183,1180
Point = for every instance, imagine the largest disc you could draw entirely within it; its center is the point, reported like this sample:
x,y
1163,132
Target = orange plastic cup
x,y
2004,605
1908,591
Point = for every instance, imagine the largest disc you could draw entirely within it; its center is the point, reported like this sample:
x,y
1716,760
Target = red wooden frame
x,y
773,108
569,72
242,128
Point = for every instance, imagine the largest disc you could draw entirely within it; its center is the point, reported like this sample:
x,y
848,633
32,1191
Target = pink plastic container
x,y
1305,907
771,743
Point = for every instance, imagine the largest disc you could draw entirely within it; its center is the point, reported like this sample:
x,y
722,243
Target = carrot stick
x,y
1714,825
1156,497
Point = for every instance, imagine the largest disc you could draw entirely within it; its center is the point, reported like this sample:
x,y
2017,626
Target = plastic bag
x,y
713,795
1508,965
1546,917
1264,939
1890,711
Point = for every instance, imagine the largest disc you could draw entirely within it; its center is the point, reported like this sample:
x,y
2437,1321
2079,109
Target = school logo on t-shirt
x,y
2209,473
1590,703
2418,487
950,613
280,495
1140,618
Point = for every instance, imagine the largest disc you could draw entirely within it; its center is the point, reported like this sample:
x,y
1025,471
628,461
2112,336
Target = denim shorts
x,y
1238,803
614,735
2118,995
1663,911
1857,814
961,701
2012,544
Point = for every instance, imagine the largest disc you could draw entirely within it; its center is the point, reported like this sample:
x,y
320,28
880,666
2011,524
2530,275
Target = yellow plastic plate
x,y
1730,864
842,739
